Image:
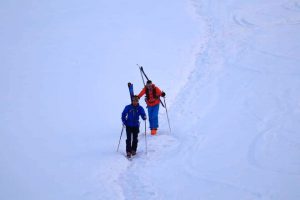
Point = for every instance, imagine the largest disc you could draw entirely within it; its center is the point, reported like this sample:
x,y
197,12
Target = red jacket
x,y
151,100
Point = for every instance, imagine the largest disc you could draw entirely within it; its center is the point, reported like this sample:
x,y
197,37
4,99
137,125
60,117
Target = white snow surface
x,y
231,73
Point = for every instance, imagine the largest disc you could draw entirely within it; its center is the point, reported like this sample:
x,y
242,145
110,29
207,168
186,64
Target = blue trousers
x,y
153,116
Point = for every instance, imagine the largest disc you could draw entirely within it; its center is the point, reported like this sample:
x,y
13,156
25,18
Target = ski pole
x,y
120,137
146,138
167,114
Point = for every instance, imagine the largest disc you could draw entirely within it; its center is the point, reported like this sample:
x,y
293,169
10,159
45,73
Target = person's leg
x,y
155,110
135,133
150,115
128,140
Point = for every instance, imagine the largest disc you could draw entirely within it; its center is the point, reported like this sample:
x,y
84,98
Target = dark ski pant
x,y
132,138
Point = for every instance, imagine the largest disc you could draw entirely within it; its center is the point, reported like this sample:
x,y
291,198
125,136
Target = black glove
x,y
163,94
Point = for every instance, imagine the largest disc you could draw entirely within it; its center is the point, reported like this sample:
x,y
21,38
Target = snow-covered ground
x,y
232,77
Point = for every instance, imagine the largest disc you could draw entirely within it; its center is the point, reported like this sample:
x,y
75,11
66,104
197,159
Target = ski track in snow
x,y
292,5
270,130
241,21
136,181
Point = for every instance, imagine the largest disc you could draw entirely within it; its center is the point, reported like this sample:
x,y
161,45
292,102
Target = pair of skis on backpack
x,y
130,85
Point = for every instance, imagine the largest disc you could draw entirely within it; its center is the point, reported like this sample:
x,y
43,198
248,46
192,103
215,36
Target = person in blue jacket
x,y
130,118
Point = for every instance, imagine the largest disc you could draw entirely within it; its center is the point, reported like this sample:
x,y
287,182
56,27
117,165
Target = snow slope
x,y
242,104
235,123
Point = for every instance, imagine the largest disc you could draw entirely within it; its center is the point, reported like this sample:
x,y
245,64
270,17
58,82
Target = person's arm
x,y
142,92
124,113
158,91
143,114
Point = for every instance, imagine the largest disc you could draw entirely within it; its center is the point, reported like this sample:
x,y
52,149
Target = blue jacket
x,y
130,115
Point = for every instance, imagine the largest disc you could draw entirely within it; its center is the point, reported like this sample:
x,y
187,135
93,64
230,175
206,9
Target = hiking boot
x,y
128,154
133,153
153,131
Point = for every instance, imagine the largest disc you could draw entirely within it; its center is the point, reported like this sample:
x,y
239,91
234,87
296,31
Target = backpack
x,y
153,93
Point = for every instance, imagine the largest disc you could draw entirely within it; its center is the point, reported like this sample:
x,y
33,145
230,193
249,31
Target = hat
x,y
149,82
135,98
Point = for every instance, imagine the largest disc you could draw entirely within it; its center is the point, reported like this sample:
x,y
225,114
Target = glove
x,y
163,94
144,118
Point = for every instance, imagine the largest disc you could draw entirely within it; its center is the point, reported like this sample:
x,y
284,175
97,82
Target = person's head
x,y
135,100
149,84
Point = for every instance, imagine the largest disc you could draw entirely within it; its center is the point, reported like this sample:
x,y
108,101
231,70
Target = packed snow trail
x,y
136,181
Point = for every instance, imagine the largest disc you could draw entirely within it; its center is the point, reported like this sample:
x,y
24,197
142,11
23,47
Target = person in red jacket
x,y
153,94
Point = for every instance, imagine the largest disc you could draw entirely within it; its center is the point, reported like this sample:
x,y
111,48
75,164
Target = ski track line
x,y
240,21
194,173
252,149
268,53
275,21
292,6
284,111
194,144
252,154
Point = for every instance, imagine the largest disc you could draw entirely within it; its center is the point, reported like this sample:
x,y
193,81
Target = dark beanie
x,y
135,98
149,82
